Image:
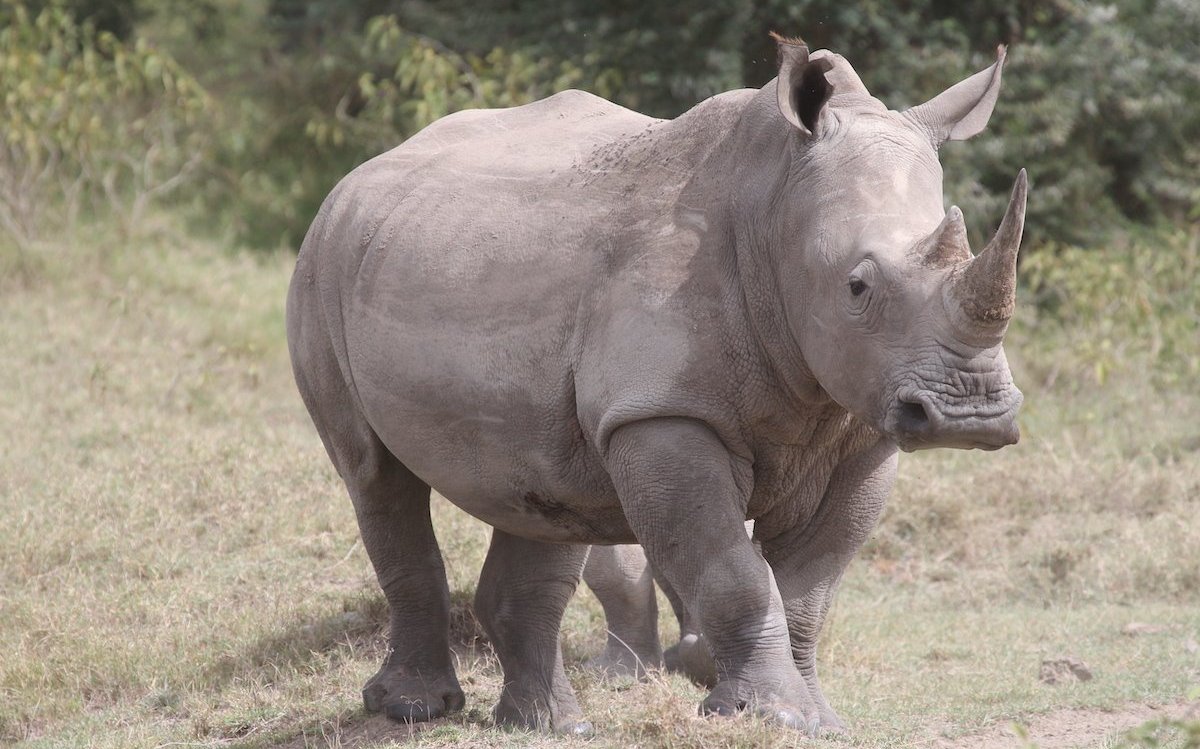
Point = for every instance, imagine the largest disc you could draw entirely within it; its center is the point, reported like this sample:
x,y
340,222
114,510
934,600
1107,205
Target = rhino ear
x,y
801,88
962,110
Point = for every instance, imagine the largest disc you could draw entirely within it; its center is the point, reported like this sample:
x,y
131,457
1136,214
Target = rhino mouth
x,y
922,419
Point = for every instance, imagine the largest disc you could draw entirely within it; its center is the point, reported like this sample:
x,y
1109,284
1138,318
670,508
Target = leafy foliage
x,y
659,58
89,118
117,17
337,85
1131,310
410,80
1100,101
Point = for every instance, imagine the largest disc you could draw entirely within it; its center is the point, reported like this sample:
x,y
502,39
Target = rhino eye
x,y
857,286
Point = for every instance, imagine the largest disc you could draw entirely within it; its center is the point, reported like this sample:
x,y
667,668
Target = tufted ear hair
x,y
962,110
801,88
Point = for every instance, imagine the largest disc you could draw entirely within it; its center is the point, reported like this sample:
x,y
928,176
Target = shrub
x,y
330,99
88,118
408,80
1129,310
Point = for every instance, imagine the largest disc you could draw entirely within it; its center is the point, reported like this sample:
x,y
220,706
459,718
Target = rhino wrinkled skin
x,y
583,326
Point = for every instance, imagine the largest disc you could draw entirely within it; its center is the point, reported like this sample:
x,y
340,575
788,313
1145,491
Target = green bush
x,y
327,99
1100,101
88,119
409,80
117,17
1128,310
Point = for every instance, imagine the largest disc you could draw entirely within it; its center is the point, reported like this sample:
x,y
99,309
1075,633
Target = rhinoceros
x,y
583,325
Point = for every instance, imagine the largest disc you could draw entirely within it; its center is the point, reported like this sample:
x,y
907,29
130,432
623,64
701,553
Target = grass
x,y
180,566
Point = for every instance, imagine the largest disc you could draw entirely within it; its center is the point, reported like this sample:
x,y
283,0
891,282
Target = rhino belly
x,y
511,456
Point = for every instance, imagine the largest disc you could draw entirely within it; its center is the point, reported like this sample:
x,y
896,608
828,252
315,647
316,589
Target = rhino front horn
x,y
981,296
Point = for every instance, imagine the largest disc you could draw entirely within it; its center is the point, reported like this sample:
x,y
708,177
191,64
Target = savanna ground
x,y
179,564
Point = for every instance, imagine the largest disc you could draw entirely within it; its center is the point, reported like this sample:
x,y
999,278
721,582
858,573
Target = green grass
x,y
180,565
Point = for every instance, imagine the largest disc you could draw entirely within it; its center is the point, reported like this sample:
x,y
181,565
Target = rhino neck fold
x,y
735,147
761,149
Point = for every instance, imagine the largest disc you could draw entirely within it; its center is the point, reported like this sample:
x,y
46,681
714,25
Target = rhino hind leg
x,y
523,590
416,681
622,580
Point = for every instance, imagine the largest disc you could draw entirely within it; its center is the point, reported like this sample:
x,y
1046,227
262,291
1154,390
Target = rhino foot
x,y
692,658
563,717
411,699
830,722
784,716
734,696
581,728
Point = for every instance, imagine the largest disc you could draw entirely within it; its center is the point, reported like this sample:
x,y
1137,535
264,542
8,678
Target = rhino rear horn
x,y
801,88
983,294
963,110
948,244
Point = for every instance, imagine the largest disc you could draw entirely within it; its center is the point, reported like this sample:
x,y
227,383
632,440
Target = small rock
x,y
1133,629
1191,645
1062,670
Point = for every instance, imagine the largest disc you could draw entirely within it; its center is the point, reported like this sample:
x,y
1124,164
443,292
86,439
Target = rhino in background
x,y
583,326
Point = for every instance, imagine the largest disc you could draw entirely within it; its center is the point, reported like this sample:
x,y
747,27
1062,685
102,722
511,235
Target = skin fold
x,y
587,326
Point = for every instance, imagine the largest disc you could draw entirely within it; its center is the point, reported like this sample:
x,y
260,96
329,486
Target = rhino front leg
x,y
690,656
621,578
808,562
523,590
685,495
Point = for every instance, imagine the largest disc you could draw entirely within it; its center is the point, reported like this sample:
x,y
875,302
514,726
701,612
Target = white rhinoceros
x,y
583,325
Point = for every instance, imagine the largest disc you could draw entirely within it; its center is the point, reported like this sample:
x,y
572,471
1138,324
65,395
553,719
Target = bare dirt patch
x,y
1070,728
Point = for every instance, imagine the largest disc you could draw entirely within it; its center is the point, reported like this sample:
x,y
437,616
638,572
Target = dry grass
x,y
180,565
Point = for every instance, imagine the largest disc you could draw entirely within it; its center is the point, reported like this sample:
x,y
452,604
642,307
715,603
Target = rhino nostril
x,y
913,415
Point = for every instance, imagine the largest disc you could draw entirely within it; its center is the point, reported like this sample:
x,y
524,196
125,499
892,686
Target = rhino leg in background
x,y
416,681
621,578
808,562
690,656
523,590
623,581
685,497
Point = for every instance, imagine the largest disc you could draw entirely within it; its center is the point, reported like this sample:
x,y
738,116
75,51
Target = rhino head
x,y
895,317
